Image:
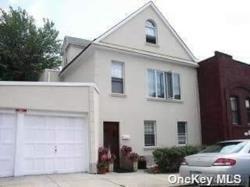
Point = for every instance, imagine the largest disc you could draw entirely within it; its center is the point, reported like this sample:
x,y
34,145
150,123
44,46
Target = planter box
x,y
135,166
142,164
127,164
111,167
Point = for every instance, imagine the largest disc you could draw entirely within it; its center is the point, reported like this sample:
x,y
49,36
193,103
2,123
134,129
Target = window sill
x,y
152,45
164,100
181,145
118,95
150,147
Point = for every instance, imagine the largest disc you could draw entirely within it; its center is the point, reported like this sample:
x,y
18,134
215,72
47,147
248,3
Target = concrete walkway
x,y
138,179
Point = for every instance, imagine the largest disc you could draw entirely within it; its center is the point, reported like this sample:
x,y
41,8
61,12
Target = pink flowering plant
x,y
133,157
103,160
129,159
112,158
125,150
102,150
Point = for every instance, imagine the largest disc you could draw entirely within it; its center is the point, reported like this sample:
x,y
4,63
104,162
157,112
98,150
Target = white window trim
x,y
155,135
156,33
186,134
166,98
156,83
156,92
123,80
172,74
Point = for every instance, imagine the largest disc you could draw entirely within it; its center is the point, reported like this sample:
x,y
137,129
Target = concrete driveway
x,y
138,179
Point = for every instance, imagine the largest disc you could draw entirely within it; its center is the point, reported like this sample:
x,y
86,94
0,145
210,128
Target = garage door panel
x,y
39,136
7,143
49,144
38,150
6,167
54,144
71,145
65,135
38,165
38,130
73,164
7,135
70,150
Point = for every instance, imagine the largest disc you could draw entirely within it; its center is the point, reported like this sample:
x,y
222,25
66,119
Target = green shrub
x,y
169,159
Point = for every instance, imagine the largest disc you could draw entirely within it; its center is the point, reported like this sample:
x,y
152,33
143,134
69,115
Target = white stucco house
x,y
134,85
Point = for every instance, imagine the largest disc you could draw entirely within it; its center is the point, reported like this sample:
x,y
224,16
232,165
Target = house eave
x,y
148,54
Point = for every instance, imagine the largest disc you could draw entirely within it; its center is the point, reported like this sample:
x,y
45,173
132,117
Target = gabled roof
x,y
132,15
86,43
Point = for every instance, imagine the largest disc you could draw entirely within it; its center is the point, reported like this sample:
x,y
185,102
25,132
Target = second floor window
x,y
117,77
164,84
235,112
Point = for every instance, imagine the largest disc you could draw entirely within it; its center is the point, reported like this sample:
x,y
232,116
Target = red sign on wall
x,y
21,110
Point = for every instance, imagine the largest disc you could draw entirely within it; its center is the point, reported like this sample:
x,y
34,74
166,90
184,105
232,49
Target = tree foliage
x,y
25,49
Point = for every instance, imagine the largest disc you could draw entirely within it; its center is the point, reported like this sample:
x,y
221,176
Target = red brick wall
x,y
219,78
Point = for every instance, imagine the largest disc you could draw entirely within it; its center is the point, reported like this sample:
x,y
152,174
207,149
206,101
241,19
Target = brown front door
x,y
111,139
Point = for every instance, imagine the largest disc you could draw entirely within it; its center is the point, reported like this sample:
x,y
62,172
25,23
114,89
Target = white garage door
x,y
7,143
42,144
54,144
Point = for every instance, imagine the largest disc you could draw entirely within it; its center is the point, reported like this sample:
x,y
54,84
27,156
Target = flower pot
x,y
135,166
111,167
142,164
102,170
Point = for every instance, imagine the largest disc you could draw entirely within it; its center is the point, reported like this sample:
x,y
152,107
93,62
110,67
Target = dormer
x,y
72,46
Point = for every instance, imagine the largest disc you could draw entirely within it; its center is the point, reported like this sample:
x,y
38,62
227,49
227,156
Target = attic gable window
x,y
150,30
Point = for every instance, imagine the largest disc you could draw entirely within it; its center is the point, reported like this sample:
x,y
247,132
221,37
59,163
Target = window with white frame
x,y
176,86
160,80
151,32
149,133
182,132
164,84
151,83
117,77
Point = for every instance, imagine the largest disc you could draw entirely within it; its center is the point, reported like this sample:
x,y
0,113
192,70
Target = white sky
x,y
204,25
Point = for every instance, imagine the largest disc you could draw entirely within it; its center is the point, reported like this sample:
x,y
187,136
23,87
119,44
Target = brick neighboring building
x,y
224,86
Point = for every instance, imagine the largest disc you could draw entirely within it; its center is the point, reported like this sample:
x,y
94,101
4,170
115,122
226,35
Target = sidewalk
x,y
138,179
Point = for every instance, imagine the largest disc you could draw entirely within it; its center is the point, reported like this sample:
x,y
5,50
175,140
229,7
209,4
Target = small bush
x,y
169,159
